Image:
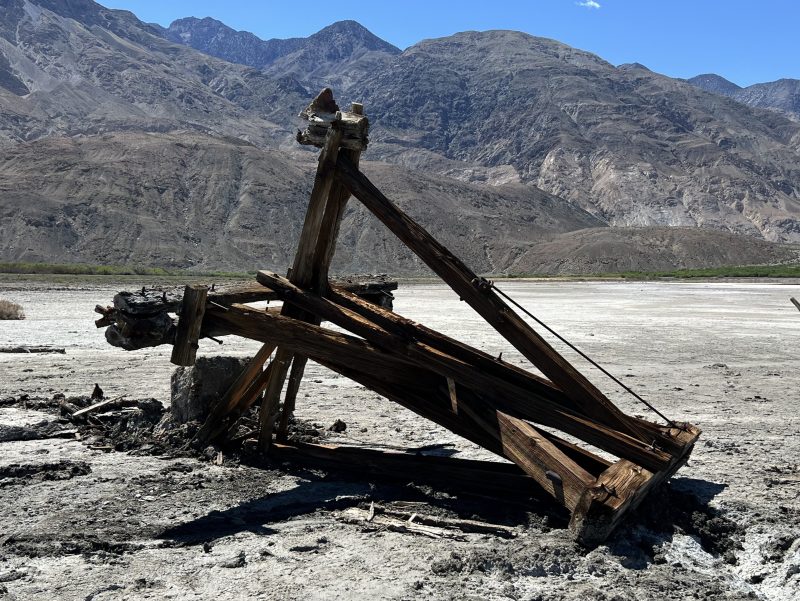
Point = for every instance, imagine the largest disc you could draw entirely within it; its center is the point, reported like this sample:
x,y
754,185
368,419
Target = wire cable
x,y
581,353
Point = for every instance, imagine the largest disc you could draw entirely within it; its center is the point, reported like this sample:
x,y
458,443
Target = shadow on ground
x,y
319,492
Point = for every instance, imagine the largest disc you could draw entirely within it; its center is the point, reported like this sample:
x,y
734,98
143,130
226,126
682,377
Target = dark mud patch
x,y
24,473
37,431
668,511
35,546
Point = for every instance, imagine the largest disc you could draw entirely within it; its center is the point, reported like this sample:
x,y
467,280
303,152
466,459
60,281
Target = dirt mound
x,y
617,250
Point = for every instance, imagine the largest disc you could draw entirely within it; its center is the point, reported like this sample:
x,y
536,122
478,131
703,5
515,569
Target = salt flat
x,y
722,355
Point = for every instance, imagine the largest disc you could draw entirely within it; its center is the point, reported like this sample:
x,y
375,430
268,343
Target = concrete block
x,y
195,388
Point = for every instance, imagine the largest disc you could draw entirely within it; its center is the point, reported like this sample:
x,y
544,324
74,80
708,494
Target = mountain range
x,y
782,95
122,141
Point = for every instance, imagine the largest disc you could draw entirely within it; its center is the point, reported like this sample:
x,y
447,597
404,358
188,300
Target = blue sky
x,y
745,41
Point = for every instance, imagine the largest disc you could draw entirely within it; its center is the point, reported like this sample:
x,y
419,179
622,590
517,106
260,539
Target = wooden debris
x,y
503,408
459,475
363,517
32,349
473,526
104,404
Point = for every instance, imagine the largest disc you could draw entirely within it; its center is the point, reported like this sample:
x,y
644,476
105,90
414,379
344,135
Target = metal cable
x,y
581,353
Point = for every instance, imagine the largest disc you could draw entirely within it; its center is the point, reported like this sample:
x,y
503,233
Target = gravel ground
x,y
83,523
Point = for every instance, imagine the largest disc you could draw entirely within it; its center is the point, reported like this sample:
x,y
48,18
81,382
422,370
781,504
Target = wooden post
x,y
190,321
296,375
269,406
320,229
315,275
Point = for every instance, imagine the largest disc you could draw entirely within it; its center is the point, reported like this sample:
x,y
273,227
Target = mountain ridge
x,y
508,116
781,95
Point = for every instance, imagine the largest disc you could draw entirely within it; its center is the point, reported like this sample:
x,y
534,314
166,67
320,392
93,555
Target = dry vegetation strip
x,y
9,310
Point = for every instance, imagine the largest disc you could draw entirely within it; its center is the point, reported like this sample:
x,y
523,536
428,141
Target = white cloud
x,y
589,4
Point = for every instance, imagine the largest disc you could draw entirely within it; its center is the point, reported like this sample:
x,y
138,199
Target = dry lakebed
x,y
84,520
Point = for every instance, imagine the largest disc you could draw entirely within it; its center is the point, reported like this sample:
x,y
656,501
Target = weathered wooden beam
x,y
486,302
325,346
408,329
620,489
190,320
468,475
269,406
302,268
504,396
559,475
105,403
315,274
331,222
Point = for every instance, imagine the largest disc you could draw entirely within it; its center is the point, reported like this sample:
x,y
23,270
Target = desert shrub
x,y
9,310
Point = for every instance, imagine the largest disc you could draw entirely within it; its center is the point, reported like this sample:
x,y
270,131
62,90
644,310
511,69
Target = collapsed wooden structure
x,y
497,405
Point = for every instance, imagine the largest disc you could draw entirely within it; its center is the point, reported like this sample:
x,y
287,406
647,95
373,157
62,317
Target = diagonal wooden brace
x,y
487,303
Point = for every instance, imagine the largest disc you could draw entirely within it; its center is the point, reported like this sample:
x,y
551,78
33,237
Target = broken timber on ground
x,y
490,402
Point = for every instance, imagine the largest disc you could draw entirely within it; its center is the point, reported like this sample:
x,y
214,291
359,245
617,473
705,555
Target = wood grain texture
x,y
620,489
190,321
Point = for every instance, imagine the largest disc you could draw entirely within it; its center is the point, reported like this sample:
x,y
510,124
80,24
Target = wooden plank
x,y
295,377
32,349
269,406
467,475
190,321
96,407
486,302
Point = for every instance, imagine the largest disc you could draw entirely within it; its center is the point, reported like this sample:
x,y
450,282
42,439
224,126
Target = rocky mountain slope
x,y
75,67
782,95
629,145
120,145
188,200
336,56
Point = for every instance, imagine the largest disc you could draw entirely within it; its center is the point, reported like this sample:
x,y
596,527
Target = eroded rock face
x,y
120,146
195,388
